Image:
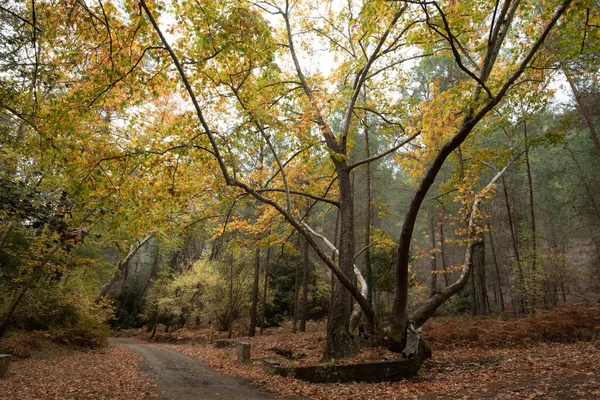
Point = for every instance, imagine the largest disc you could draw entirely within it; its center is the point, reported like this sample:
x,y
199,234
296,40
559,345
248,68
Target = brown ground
x,y
540,371
552,356
54,372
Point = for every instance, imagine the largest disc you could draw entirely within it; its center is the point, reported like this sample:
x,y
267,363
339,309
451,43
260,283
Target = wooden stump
x,y
243,352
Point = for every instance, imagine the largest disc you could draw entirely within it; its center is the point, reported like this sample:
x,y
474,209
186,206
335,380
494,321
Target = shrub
x,y
563,325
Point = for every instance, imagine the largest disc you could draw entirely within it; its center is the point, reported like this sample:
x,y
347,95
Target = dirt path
x,y
179,376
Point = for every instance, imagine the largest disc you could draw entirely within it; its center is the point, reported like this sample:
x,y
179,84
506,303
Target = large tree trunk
x,y
254,305
369,218
339,340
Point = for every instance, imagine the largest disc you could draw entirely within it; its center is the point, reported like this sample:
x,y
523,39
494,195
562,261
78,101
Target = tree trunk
x,y
533,294
334,258
121,265
497,268
339,341
474,251
230,305
253,307
296,281
433,277
304,313
443,244
513,236
369,213
478,278
263,311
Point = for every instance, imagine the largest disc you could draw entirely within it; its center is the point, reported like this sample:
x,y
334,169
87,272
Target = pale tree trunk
x,y
474,250
254,305
357,310
230,304
121,265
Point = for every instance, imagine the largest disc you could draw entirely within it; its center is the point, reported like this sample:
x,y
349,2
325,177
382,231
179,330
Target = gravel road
x,y
182,377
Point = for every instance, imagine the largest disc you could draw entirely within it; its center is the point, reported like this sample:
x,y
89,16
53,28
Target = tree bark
x,y
369,213
497,268
304,313
515,245
254,305
443,244
339,342
263,311
478,278
296,280
533,295
433,277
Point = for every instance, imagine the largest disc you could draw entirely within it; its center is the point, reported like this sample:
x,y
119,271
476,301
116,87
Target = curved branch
x,y
296,192
427,309
385,153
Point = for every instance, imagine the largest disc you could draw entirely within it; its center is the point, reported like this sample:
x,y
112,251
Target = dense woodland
x,y
239,164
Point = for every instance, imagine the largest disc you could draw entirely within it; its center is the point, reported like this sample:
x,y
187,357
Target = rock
x,y
270,365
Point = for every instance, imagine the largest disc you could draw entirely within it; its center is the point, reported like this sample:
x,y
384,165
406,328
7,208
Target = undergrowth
x,y
562,325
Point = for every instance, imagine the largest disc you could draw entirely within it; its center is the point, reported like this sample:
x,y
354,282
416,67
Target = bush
x,y
563,325
88,333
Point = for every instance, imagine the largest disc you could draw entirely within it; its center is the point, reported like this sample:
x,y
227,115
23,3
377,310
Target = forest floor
x,y
42,369
550,355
